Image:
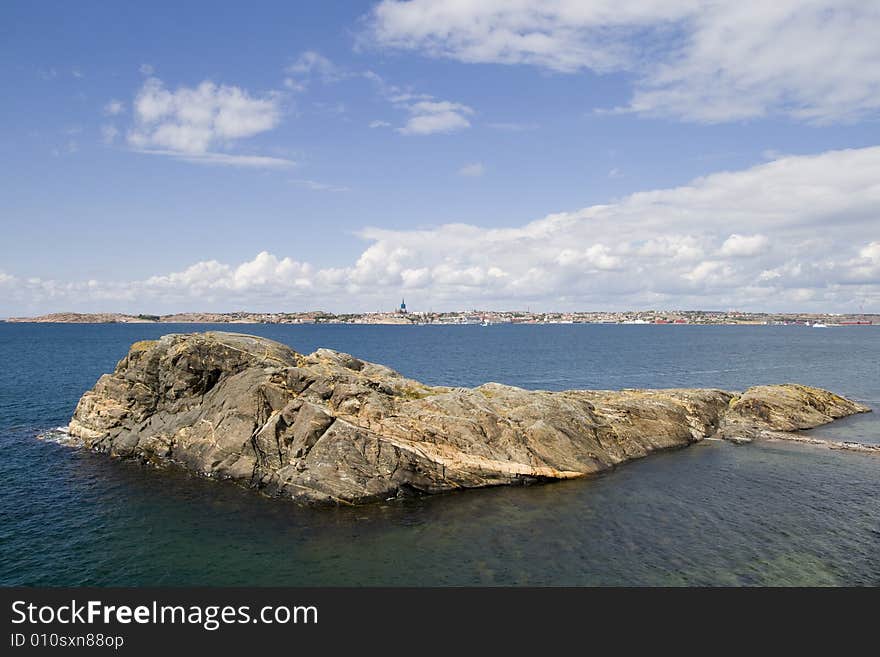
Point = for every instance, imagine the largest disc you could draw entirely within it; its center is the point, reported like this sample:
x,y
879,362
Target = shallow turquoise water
x,y
715,513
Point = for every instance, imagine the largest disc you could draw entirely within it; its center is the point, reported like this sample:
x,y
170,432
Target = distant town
x,y
402,316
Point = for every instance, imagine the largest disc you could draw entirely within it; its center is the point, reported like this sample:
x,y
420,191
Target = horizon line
x,y
150,316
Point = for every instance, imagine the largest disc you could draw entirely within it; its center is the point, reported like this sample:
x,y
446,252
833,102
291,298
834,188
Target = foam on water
x,y
59,435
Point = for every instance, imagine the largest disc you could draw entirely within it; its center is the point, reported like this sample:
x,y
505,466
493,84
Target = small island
x,y
330,428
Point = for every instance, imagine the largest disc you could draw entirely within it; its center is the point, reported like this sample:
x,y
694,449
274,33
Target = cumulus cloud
x,y
797,233
193,119
432,116
196,123
708,62
865,267
594,258
263,271
744,245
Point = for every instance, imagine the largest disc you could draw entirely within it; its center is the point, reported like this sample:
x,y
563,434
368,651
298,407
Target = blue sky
x,y
292,156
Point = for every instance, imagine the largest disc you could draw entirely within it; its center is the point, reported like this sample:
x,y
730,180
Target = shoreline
x,y
473,317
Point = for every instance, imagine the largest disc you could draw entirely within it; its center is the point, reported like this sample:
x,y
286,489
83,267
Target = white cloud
x,y
332,109
473,170
225,159
432,116
702,245
702,61
678,248
319,186
563,35
771,154
109,133
595,257
114,107
510,126
744,245
69,148
264,270
196,124
871,252
292,85
865,268
709,272
191,120
428,114
146,69
311,63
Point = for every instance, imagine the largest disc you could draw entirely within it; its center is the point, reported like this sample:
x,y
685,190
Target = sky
x,y
562,155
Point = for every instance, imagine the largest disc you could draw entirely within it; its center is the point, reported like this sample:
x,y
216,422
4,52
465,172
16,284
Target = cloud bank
x,y
784,235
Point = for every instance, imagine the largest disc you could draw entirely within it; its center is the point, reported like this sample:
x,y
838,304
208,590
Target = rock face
x,y
328,427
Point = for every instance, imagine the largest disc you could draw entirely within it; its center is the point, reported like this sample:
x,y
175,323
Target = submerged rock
x,y
328,427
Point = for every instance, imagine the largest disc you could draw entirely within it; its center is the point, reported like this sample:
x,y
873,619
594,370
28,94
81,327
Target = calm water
x,y
715,513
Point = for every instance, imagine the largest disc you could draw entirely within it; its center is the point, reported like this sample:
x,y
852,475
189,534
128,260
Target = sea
x,y
771,513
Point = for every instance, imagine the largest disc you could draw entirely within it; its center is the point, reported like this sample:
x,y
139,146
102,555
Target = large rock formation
x,y
329,427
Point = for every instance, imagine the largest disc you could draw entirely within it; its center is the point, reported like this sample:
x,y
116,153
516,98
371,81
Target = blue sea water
x,y
715,513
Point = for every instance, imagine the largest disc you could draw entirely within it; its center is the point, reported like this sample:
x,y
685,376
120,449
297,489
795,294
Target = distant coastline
x,y
484,317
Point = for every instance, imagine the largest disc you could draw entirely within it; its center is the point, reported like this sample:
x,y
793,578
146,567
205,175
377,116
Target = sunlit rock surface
x,y
328,427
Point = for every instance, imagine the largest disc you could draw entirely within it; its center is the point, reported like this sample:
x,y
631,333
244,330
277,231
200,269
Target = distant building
x,y
402,310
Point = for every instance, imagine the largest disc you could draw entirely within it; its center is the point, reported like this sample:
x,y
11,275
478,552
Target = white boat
x,y
818,325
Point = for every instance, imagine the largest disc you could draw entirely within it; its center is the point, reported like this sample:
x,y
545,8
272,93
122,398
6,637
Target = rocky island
x,y
328,427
